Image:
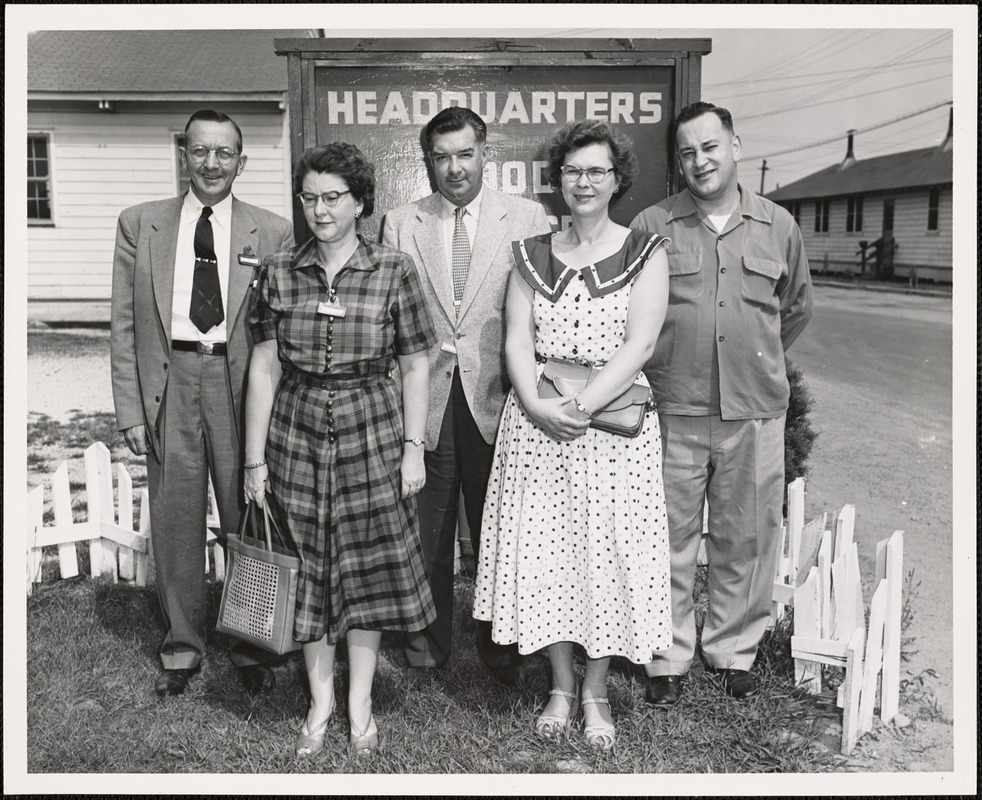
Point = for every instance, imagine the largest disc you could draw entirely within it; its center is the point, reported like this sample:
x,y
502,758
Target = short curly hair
x,y
346,162
575,135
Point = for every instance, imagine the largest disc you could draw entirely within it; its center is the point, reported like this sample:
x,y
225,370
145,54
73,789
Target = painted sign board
x,y
379,93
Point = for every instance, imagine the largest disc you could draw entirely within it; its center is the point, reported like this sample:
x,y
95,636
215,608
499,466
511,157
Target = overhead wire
x,y
877,68
807,101
838,137
777,90
747,118
821,50
905,65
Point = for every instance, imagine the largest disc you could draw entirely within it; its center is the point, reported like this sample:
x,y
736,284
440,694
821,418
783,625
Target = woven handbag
x,y
623,416
260,593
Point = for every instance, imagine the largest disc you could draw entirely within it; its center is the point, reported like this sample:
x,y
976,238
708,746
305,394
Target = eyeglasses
x,y
330,199
223,154
594,174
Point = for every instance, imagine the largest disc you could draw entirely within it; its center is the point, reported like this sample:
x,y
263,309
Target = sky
x,y
790,88
792,76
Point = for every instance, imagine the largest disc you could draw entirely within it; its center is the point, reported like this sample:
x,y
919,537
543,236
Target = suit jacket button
x,y
165,365
157,399
449,374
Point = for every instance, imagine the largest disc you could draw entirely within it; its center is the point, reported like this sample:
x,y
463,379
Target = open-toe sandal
x,y
310,742
363,743
602,734
549,726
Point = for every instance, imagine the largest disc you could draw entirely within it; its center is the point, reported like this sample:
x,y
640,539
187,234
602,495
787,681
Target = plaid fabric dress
x,y
335,438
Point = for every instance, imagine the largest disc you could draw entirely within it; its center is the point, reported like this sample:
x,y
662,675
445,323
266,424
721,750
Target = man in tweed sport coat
x,y
468,381
179,391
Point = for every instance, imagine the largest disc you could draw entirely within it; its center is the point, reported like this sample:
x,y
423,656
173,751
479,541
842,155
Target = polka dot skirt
x,y
574,539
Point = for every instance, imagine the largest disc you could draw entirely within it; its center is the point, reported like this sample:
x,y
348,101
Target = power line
x,y
840,99
906,65
861,130
822,50
890,139
807,101
775,89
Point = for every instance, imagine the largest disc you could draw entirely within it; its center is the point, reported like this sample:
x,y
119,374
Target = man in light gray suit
x,y
182,272
460,238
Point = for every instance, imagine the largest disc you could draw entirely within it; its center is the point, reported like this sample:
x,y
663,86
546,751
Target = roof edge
x,y
261,97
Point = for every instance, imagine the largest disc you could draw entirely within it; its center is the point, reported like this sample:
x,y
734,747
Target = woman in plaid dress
x,y
344,445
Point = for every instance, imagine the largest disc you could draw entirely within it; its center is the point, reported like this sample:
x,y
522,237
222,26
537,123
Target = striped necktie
x,y
461,256
207,309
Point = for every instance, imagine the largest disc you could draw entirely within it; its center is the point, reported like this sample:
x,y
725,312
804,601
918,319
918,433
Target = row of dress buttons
x,y
330,346
576,324
331,433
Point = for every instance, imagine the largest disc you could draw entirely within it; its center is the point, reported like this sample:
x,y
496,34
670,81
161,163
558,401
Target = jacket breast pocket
x,y
684,275
760,277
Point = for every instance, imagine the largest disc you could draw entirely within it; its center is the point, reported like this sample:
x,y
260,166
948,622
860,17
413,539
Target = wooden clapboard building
x,y
886,217
105,115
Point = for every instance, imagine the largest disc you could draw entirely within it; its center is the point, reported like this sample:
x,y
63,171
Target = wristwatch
x,y
580,407
415,440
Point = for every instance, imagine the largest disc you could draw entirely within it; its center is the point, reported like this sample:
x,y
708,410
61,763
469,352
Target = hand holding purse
x,y
260,592
622,416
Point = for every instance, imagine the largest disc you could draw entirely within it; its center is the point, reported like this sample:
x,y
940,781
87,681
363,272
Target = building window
x,y
39,178
933,204
183,182
854,214
794,208
822,216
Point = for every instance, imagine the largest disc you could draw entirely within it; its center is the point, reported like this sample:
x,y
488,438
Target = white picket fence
x,y
819,576
117,550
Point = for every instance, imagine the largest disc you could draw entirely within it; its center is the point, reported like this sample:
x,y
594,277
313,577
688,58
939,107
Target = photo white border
x,y
634,21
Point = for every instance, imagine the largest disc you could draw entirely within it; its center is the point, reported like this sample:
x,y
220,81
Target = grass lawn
x,y
92,660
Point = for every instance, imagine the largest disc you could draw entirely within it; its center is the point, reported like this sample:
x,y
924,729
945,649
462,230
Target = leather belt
x,y
205,348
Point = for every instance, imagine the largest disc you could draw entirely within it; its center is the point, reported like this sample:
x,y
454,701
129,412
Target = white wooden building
x,y
106,112
904,197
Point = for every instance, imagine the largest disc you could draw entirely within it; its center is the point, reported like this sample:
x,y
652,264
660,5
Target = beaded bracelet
x,y
257,465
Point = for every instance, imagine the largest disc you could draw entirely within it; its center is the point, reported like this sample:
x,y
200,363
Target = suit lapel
x,y
163,253
492,228
432,249
244,234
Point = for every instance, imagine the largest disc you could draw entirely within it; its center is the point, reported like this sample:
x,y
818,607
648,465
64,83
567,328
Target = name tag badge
x,y
248,261
446,347
332,308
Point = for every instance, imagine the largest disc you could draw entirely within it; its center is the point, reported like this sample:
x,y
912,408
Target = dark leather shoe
x,y
257,678
173,682
738,683
507,674
664,690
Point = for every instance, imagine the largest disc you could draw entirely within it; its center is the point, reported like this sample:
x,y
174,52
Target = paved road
x,y
880,369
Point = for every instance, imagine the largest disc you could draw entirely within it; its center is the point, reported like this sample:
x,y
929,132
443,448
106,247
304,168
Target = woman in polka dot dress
x,y
574,539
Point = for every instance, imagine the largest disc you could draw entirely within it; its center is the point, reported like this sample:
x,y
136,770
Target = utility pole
x,y
763,169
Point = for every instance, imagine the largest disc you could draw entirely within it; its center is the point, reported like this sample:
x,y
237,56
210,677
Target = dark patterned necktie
x,y
460,252
207,309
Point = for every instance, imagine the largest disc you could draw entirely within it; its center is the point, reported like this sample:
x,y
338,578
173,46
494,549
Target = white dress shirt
x,y
221,225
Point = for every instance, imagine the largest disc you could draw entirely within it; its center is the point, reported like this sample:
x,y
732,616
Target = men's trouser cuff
x,y
657,669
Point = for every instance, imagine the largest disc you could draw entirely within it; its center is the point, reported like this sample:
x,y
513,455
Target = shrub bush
x,y
799,436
